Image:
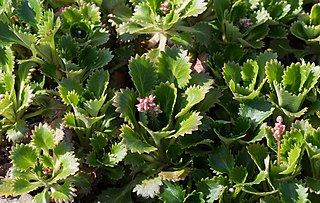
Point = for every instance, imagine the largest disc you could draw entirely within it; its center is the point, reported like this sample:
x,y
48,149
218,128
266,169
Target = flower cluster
x,y
165,7
278,128
147,104
245,22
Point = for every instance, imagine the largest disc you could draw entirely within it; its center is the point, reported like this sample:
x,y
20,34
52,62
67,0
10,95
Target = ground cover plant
x,y
160,101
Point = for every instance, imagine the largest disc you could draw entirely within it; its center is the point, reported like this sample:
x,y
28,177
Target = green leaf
x,y
66,165
22,186
172,193
194,197
117,154
210,188
43,138
98,142
166,96
17,131
293,160
98,82
7,37
143,74
238,174
274,72
258,154
116,195
125,102
190,123
43,197
221,160
6,187
134,142
315,15
26,14
220,7
313,184
192,96
93,107
174,67
148,187
62,193
256,110
24,157
291,192
270,199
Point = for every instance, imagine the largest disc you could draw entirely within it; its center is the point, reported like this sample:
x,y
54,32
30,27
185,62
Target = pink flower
x,y
278,128
147,104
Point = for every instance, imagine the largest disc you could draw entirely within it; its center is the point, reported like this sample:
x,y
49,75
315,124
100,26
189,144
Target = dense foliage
x,y
173,101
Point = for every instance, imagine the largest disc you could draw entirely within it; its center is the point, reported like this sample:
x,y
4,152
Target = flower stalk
x,y
277,131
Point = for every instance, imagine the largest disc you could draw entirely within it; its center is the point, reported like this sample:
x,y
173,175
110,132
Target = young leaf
x,y
24,157
117,154
172,193
148,187
221,160
134,142
174,67
143,74
194,197
66,165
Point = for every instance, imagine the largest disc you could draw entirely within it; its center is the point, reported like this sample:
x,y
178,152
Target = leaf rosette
x,y
290,86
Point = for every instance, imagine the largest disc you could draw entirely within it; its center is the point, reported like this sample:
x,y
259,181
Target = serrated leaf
x,y
73,98
143,75
43,138
190,123
238,174
125,102
256,110
98,142
148,187
117,154
210,188
293,159
7,37
221,160
24,157
270,199
21,186
194,197
258,154
63,193
291,192
17,131
26,14
6,187
98,82
42,197
93,107
172,193
315,14
116,195
192,96
174,67
116,173
134,142
65,166
313,184
166,96
220,6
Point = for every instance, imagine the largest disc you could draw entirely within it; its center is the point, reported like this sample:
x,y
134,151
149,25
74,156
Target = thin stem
x,y
278,152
